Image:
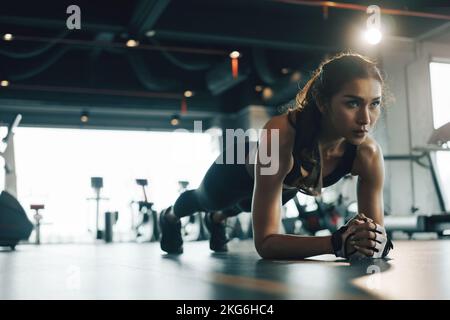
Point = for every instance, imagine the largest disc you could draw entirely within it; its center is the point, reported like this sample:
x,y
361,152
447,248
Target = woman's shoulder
x,y
368,149
285,138
368,153
282,123
286,134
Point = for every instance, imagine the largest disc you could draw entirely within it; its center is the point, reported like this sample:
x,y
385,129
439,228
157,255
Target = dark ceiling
x,y
54,73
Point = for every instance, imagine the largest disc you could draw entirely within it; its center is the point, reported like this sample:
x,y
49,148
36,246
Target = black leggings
x,y
225,187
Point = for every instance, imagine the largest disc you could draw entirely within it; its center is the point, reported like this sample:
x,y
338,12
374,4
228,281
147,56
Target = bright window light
x,y
440,95
54,167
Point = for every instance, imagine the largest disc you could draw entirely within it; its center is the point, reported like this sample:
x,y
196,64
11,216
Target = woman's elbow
x,y
263,247
262,253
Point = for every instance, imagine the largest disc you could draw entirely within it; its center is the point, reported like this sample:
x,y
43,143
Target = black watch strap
x,y
336,241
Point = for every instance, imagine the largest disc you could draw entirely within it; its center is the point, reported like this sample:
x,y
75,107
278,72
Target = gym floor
x,y
416,270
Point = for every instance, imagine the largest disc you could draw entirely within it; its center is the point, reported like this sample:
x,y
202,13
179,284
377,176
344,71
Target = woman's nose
x,y
363,116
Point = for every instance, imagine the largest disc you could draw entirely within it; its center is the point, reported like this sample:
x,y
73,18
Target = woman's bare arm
x,y
370,169
266,206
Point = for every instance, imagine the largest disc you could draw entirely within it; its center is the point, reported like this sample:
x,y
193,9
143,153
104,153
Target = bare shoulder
x,y
277,122
369,156
285,141
286,132
369,149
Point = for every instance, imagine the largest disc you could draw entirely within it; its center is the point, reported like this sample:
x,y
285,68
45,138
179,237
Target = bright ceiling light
x,y
267,93
373,36
84,117
175,120
8,37
188,93
132,43
235,55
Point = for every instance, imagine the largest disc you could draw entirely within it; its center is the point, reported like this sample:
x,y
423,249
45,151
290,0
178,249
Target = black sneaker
x,y
218,237
171,240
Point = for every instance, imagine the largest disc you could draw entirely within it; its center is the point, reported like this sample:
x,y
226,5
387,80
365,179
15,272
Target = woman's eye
x,y
375,104
353,104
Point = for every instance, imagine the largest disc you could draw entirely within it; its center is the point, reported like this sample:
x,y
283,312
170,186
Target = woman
x,y
319,141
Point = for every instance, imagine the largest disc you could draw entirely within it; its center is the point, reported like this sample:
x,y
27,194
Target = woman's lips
x,y
359,133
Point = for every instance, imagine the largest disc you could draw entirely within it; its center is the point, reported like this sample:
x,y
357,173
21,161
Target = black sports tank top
x,y
314,182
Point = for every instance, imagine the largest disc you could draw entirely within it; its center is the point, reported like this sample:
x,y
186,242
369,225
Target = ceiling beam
x,y
434,32
146,14
106,122
57,24
57,107
242,41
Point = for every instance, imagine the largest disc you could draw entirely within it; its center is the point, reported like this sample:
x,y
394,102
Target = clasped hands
x,y
363,238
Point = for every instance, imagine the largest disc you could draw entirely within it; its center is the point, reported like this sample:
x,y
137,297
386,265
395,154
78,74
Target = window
x,y
440,93
54,167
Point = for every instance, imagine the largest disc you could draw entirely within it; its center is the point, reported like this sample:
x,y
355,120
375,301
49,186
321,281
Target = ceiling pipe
x,y
75,90
358,7
42,66
146,14
107,44
147,79
56,24
190,66
34,52
262,67
242,41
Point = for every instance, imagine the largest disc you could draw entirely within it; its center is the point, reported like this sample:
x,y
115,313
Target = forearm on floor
x,y
285,246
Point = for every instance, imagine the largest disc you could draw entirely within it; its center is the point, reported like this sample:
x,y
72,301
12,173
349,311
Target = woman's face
x,y
355,109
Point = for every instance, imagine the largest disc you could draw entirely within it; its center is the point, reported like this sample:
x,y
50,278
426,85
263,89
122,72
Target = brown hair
x,y
327,80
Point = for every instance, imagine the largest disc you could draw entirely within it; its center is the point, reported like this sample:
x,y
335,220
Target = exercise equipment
x,y
14,223
409,225
97,185
240,226
327,216
146,228
438,223
111,218
424,153
37,218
